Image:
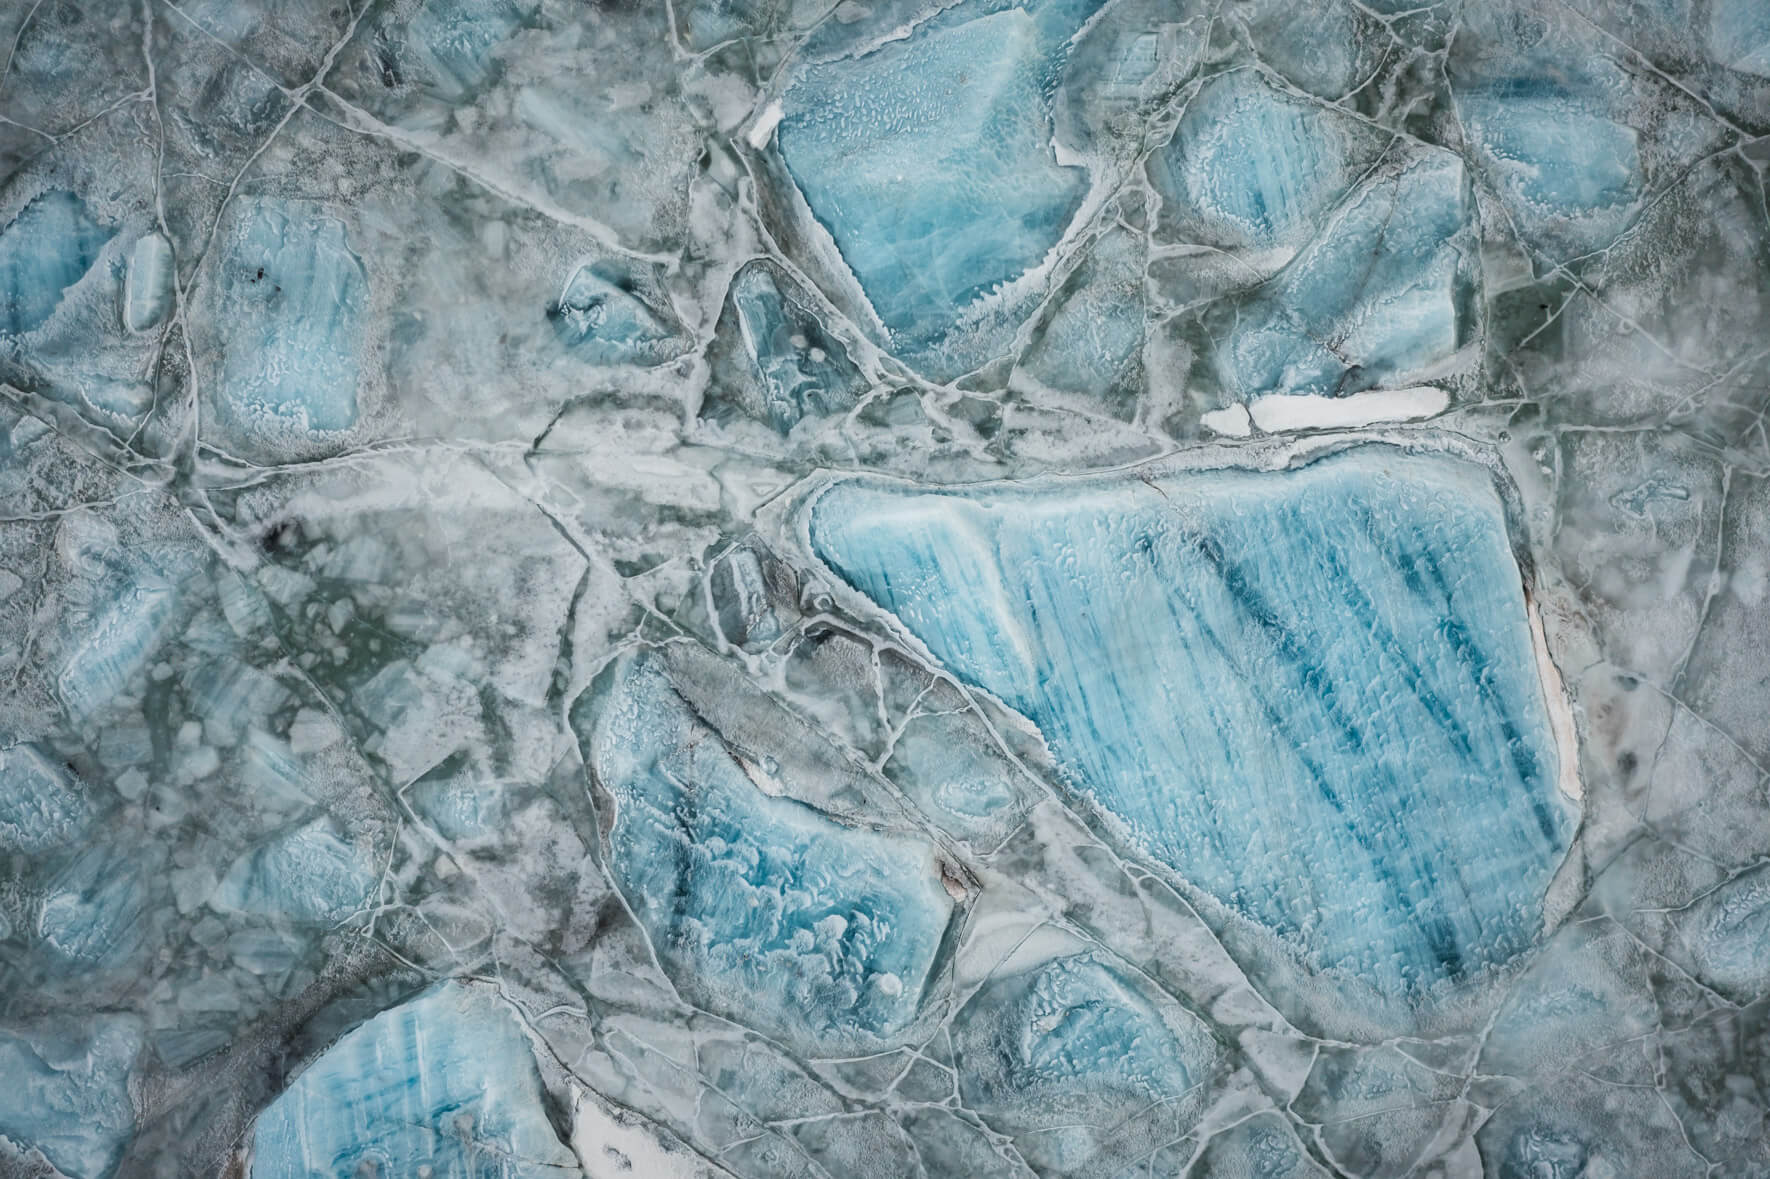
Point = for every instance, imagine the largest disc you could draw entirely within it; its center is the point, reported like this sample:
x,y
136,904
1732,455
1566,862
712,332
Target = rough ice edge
x,y
785,522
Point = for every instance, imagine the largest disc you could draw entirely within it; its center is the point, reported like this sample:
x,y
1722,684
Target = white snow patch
x,y
1279,412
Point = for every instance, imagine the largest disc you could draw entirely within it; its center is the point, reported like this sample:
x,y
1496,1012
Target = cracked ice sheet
x,y
377,380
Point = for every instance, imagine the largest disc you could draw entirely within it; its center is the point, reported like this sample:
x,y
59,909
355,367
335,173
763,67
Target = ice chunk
x,y
67,1090
603,320
1739,35
293,297
461,808
48,248
1312,693
39,807
1569,176
92,911
1093,339
119,642
454,39
308,875
1376,297
929,160
444,1086
804,371
147,290
759,906
1250,167
1060,1053
1729,935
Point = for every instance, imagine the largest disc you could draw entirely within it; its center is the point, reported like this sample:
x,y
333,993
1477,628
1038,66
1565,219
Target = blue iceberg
x,y
758,906
293,297
930,162
601,319
40,807
120,640
1252,167
67,1091
804,371
92,911
444,1086
1379,296
1070,1058
46,249
1311,693
307,875
1570,177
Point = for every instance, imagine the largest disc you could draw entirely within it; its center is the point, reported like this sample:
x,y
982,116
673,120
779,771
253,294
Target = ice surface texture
x,y
773,912
1313,693
885,589
444,1085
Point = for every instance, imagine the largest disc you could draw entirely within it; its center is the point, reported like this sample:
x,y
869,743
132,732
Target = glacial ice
x,y
67,1091
147,287
603,321
885,589
1251,167
1312,694
293,297
804,371
1052,1052
962,106
117,643
444,1085
759,906
1570,177
46,249
40,809
1377,298
92,910
1739,36
307,875
455,39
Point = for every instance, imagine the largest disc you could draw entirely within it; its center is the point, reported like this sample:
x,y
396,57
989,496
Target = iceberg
x,y
929,160
1312,693
1061,1053
292,299
307,875
46,249
40,808
759,906
1569,176
1377,297
1250,167
67,1090
803,370
443,1086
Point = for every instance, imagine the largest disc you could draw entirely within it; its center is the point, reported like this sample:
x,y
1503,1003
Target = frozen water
x,y
962,106
444,1085
40,806
1313,694
47,248
1375,300
1252,167
894,589
1739,36
602,320
67,1091
804,371
1571,177
293,297
760,904
307,875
